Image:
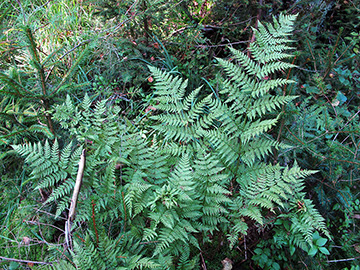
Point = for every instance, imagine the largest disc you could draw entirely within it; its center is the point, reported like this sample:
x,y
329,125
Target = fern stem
x,y
94,223
67,258
312,55
295,136
122,194
275,153
331,55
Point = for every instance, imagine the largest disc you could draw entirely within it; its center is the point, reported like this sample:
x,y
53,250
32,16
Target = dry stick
x,y
66,53
343,260
40,223
245,247
203,264
74,198
221,45
24,261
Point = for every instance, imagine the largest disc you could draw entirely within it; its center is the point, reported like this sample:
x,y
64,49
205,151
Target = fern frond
x,y
271,40
170,90
240,228
62,205
307,221
134,198
237,74
254,129
227,148
168,236
267,104
65,189
144,263
250,66
259,149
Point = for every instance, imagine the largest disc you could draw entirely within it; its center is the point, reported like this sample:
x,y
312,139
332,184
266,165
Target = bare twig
x,y
74,198
47,213
24,261
221,45
348,122
246,21
343,260
245,247
45,224
203,264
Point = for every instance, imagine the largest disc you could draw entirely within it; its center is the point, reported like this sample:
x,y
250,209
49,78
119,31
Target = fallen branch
x,y
74,198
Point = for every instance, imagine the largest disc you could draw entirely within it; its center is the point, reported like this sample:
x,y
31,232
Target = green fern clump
x,y
232,129
152,203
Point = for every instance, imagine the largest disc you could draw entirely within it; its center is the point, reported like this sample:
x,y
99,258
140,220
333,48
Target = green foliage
x,y
204,169
34,73
22,96
50,168
233,132
180,175
324,126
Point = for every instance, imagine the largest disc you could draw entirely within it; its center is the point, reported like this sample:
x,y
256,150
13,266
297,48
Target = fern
x,y
232,129
211,191
151,204
49,166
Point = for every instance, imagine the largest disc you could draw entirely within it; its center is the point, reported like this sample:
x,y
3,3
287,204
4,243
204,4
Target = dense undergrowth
x,y
217,134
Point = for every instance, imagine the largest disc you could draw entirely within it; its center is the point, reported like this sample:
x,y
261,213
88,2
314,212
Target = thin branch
x,y
22,10
76,46
248,20
24,261
45,224
47,213
348,122
343,260
115,28
203,264
221,45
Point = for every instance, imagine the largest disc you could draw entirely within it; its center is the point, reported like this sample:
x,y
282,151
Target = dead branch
x,y
74,199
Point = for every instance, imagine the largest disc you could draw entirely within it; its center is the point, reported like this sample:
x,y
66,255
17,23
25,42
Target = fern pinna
x,y
154,203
